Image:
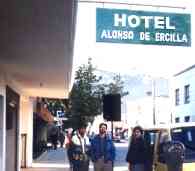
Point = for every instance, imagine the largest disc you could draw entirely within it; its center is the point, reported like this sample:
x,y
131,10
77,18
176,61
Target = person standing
x,y
68,145
80,150
102,150
54,136
137,151
61,138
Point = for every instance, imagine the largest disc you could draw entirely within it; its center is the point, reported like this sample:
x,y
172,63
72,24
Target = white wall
x,y
2,123
183,109
26,126
163,110
25,123
141,111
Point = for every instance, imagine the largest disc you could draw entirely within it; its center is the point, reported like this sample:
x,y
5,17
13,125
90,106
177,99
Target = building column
x,y
26,128
2,129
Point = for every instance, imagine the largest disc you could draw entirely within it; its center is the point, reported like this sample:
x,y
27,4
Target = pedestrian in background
x,y
137,151
54,136
102,150
69,146
61,138
80,150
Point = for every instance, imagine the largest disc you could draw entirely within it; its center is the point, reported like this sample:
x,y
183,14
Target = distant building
x,y
184,95
148,98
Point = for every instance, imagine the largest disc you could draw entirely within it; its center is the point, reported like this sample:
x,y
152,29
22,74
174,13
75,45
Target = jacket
x,y
77,153
137,152
109,149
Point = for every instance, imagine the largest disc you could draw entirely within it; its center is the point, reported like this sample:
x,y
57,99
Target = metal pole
x,y
112,140
112,130
154,101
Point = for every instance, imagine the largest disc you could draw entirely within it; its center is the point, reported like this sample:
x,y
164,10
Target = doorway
x,y
12,111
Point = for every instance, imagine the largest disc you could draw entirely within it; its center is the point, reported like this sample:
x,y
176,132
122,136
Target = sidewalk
x,y
45,169
65,169
56,160
52,160
48,168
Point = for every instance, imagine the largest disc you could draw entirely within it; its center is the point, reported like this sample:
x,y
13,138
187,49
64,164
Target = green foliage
x,y
116,87
86,95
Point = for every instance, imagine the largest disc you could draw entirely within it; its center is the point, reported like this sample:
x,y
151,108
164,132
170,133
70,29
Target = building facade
x,y
36,59
184,95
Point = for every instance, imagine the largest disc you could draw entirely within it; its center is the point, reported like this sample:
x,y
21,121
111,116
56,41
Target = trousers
x,y
81,166
100,165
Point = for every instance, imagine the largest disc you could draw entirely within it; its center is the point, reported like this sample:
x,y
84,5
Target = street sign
x,y
143,27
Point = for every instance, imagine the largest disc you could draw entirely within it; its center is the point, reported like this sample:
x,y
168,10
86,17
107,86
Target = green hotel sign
x,y
142,27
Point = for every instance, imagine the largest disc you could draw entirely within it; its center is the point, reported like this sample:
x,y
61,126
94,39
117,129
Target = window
x,y
177,97
186,94
187,118
177,120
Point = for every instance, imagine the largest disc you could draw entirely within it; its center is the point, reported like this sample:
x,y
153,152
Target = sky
x,y
124,58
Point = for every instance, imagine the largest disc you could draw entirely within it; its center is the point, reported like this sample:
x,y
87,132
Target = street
x,y
59,157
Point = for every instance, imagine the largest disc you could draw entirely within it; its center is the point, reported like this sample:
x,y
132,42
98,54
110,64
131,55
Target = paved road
x,y
59,157
121,151
45,169
53,156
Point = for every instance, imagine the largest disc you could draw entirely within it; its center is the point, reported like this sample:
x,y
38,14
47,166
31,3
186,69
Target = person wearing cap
x,y
137,151
80,150
102,150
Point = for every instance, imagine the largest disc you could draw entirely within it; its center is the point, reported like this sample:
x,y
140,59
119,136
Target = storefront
x,y
36,51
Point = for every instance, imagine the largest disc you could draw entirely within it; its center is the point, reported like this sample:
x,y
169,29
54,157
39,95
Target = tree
x,y
85,99
116,87
85,96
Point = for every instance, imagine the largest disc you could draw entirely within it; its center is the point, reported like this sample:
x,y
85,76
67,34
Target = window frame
x,y
177,99
187,118
187,94
177,119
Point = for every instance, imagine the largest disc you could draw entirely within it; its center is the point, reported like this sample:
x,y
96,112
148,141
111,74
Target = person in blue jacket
x,y
102,150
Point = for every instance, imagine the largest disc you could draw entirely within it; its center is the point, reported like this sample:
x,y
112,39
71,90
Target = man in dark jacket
x,y
102,150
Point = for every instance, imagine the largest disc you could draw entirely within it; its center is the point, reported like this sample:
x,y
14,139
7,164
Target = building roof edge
x,y
185,70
